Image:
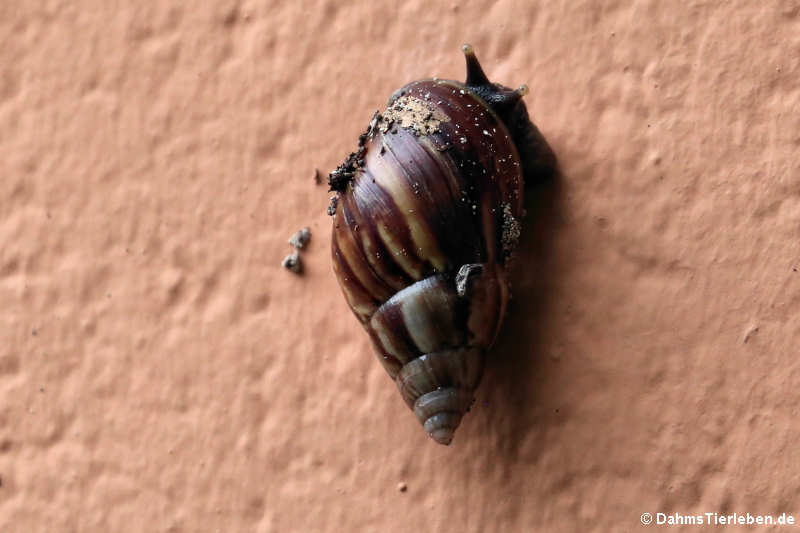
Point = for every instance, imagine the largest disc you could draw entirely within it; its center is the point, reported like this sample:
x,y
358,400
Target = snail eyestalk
x,y
475,75
500,98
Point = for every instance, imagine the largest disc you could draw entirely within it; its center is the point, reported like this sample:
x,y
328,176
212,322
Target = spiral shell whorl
x,y
432,338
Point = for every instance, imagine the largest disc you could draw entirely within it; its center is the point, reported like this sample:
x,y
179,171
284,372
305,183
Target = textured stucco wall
x,y
159,370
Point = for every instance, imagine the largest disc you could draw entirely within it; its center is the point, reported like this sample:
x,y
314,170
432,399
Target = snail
x,y
426,216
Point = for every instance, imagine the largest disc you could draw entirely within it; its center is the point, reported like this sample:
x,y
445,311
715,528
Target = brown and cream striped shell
x,y
426,213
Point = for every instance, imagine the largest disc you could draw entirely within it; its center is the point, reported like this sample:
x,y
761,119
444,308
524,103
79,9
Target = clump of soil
x,y
293,263
300,238
299,241
332,205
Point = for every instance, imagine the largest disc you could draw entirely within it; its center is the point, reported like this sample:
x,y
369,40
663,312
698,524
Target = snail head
x,y
538,160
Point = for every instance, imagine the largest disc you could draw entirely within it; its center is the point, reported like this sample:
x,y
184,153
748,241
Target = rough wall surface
x,y
159,370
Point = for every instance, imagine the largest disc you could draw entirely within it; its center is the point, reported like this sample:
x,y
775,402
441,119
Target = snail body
x,y
426,215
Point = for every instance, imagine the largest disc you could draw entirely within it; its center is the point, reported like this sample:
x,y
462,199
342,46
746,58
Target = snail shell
x,y
426,215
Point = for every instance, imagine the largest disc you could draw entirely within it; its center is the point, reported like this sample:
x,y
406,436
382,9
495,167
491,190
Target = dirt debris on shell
x,y
511,230
414,114
405,111
344,173
332,205
464,274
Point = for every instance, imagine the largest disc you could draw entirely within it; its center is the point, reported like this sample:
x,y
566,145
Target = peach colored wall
x,y
159,370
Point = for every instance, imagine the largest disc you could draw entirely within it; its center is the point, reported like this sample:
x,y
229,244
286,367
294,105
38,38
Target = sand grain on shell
x,y
412,113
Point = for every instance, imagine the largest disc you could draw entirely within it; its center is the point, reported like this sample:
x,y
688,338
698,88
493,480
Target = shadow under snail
x,y
426,215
